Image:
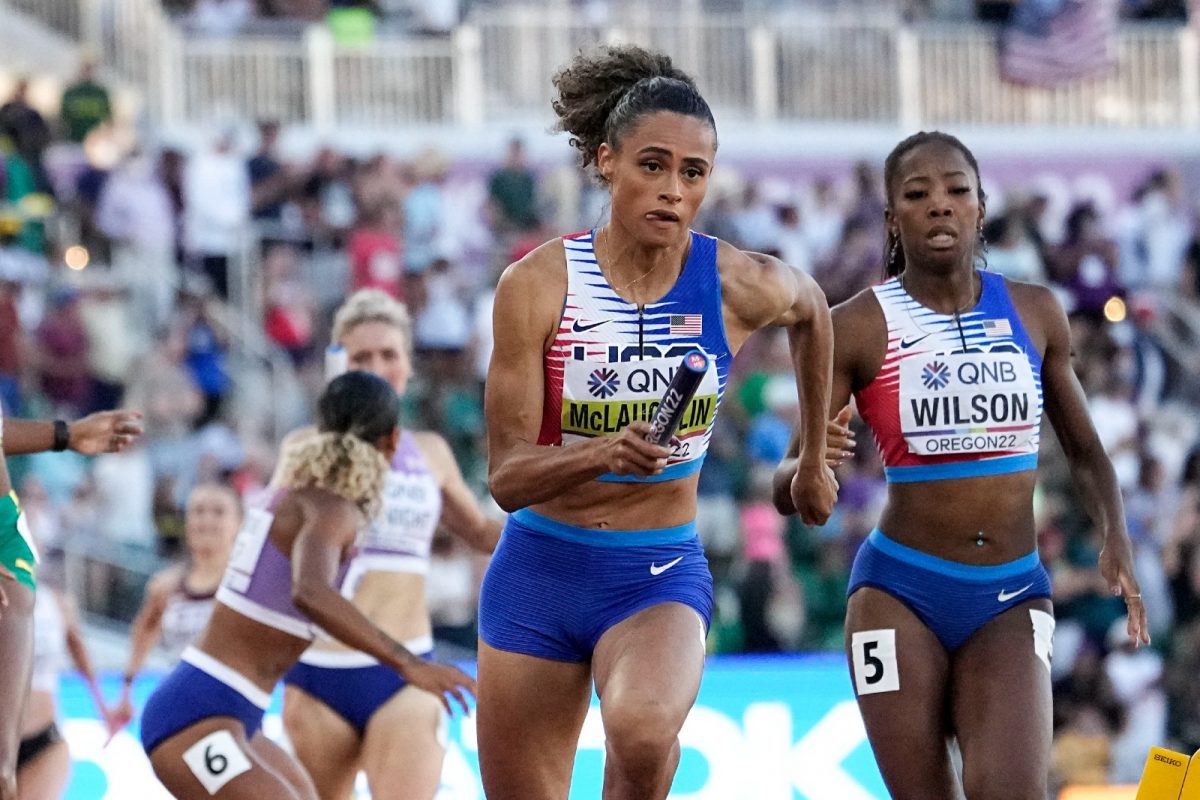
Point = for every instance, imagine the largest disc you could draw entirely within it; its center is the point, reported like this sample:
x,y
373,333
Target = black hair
x,y
603,94
360,404
893,253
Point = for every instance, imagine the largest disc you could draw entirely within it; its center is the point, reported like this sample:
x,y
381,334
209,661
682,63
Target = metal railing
x,y
846,62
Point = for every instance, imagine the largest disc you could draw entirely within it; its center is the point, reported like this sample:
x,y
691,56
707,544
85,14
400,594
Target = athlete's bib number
x,y
215,760
958,403
599,398
247,548
874,657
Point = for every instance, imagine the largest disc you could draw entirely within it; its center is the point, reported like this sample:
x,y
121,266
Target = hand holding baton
x,y
676,398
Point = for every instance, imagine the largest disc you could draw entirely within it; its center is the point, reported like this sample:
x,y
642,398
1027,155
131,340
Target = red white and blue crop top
x,y
611,360
955,398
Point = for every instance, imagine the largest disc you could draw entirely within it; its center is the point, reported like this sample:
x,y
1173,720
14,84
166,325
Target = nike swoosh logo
x,y
655,569
1004,596
577,328
22,564
907,343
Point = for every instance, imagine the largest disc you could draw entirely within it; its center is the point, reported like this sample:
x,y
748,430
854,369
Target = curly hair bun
x,y
602,94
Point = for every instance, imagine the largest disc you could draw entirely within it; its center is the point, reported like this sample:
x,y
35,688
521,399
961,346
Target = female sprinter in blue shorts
x,y
343,710
104,432
599,574
202,726
949,626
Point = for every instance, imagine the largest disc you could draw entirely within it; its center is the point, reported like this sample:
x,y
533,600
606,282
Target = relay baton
x,y
675,399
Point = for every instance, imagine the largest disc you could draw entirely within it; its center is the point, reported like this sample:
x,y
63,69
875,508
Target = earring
x,y
894,251
983,246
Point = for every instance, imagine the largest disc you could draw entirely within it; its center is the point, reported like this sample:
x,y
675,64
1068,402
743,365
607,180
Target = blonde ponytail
x,y
341,463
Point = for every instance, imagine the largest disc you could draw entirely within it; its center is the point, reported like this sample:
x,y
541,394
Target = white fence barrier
x,y
849,62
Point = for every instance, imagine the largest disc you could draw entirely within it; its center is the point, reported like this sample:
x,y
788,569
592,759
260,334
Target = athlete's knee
x,y
1004,782
641,736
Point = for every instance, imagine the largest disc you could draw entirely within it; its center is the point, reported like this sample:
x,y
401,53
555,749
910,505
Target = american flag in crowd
x,y
1051,42
685,324
997,327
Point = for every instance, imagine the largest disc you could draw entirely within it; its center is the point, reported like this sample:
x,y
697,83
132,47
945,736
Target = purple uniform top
x,y
258,580
399,538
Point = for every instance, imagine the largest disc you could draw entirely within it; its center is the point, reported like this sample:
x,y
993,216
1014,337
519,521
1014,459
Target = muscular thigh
x,y
530,712
652,661
900,670
324,743
1002,705
212,760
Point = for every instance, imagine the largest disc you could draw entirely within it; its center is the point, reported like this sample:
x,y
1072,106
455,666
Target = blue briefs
x,y
198,688
953,600
552,589
353,684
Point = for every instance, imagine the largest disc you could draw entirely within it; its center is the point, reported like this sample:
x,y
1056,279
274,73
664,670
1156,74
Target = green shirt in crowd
x,y
85,105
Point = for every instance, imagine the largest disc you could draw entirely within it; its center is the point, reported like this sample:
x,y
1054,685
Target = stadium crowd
x,y
440,17
123,282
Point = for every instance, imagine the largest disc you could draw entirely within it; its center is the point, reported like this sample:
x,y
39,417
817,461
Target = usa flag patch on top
x,y
997,327
686,324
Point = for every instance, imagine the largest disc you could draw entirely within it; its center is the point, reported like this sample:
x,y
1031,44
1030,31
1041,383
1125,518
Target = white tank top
x,y
184,618
401,535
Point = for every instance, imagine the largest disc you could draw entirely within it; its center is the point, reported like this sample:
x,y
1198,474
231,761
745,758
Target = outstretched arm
x,y
102,432
329,525
83,661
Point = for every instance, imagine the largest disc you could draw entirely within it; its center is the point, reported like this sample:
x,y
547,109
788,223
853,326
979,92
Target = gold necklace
x,y
621,290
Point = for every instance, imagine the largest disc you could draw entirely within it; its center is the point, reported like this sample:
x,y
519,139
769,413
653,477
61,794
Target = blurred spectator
x,y
163,388
137,213
857,263
436,17
219,18
1086,263
216,197
425,212
374,249
793,240
207,343
29,134
823,220
442,328
769,607
1163,235
108,321
62,355
12,344
266,174
1136,676
1011,252
757,222
289,317
770,431
1087,714
512,190
85,104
